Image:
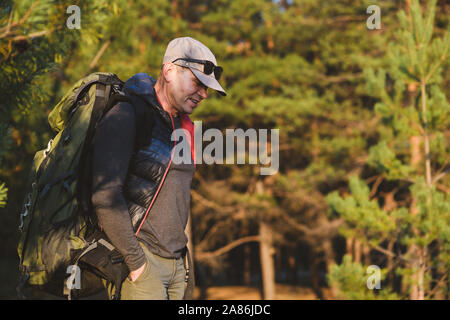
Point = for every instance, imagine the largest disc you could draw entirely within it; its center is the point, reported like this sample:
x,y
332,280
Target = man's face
x,y
186,91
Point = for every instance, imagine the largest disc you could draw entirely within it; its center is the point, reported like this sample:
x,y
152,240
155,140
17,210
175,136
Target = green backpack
x,y
58,236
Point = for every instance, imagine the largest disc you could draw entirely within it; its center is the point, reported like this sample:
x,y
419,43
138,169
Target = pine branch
x,y
226,248
99,54
31,35
440,176
211,232
11,15
438,63
340,78
438,285
389,253
311,21
205,202
20,22
375,186
443,188
324,230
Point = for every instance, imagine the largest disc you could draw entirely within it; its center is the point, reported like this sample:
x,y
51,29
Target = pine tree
x,y
34,43
412,154
295,66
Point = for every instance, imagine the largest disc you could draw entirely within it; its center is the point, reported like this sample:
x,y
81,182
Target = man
x,y
140,194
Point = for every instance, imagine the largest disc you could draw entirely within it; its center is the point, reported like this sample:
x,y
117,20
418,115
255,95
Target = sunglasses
x,y
208,66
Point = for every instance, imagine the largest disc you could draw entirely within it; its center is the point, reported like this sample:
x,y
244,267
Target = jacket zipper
x,y
161,183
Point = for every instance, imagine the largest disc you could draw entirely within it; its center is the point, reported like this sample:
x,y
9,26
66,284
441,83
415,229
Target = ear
x,y
169,71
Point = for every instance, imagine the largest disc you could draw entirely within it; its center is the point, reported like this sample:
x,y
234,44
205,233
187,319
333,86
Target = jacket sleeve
x,y
111,154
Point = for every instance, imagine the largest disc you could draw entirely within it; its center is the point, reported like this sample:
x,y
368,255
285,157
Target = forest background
x,y
363,118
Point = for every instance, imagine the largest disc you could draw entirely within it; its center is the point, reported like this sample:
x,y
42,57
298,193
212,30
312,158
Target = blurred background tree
x,y
412,156
313,70
34,45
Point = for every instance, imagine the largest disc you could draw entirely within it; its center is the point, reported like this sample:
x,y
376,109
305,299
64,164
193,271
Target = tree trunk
x,y
418,277
426,138
266,252
246,260
416,154
267,266
440,286
413,250
330,259
292,266
417,289
421,273
349,247
314,273
366,255
247,265
357,247
390,265
420,253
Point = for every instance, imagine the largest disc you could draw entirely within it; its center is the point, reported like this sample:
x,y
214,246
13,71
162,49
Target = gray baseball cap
x,y
191,49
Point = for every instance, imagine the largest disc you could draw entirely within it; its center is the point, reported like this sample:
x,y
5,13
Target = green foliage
x,y
412,102
34,42
365,220
433,218
3,195
351,278
346,101
35,45
416,55
25,52
384,160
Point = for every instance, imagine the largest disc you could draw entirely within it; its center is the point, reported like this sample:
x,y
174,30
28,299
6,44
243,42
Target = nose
x,y
203,92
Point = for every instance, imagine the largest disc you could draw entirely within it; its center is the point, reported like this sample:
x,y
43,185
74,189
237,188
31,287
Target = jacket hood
x,y
142,85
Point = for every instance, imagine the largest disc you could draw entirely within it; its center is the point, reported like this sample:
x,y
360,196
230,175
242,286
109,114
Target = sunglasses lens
x,y
208,67
218,72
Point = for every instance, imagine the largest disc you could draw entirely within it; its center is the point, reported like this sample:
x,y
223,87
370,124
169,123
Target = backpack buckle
x,y
49,145
25,212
